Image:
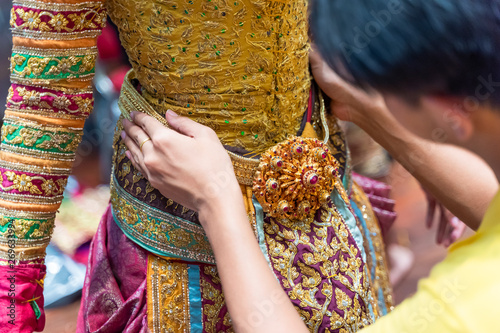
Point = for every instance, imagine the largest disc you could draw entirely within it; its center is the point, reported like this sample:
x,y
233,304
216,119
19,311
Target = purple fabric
x,y
378,193
114,293
313,241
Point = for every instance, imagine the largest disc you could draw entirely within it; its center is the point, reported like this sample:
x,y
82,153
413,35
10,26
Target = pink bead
x,y
314,180
323,155
279,164
299,150
274,185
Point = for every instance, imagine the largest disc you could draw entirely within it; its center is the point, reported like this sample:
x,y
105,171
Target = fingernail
x,y
132,114
127,153
123,135
172,113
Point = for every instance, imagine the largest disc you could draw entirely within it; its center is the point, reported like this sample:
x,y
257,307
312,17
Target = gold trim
x,y
37,52
168,296
245,168
58,7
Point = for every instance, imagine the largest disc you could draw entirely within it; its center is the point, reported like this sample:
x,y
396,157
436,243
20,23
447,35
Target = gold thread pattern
x,y
168,296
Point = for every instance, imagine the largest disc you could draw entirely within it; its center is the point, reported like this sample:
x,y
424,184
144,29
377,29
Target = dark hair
x,y
413,47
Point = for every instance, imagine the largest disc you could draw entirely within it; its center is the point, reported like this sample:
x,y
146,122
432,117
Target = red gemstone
x,y
299,150
323,155
274,185
314,180
279,164
306,209
285,209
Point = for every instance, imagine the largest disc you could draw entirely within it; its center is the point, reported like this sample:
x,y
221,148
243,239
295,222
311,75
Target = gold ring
x,y
143,142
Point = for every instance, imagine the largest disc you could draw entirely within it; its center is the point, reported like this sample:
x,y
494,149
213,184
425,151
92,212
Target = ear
x,y
452,112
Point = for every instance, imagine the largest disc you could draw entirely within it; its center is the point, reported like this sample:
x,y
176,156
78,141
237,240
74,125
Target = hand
x,y
348,102
450,228
187,163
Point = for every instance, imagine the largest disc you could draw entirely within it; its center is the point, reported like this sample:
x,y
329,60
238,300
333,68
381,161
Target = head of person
x,y
436,62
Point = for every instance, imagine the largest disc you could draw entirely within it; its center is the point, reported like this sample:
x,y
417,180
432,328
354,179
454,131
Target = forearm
x,y
460,180
255,300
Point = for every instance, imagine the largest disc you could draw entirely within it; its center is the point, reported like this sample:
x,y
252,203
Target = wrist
x,y
215,208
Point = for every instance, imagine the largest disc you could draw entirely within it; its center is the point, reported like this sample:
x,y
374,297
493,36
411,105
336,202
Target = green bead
x,y
259,17
197,55
173,59
256,136
243,109
217,52
244,121
223,30
226,121
186,11
242,133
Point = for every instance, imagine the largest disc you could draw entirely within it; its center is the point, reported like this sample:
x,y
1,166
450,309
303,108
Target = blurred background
x,y
412,249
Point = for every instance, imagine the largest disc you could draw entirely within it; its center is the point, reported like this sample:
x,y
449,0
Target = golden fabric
x,y
240,67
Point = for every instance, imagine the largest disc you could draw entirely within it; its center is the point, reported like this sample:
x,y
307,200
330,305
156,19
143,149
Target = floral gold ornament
x,y
295,178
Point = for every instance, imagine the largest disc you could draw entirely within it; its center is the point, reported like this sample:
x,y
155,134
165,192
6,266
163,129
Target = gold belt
x,y
245,168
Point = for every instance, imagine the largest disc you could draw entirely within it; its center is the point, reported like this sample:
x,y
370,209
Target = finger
x,y
185,125
315,59
136,156
442,225
136,165
150,125
138,135
431,211
458,229
447,235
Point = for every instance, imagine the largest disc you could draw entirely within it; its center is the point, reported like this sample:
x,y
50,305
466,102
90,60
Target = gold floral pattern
x,y
47,100
53,65
168,297
24,183
213,297
35,137
50,20
339,265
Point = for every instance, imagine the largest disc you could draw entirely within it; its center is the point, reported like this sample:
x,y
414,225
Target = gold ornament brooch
x,y
295,178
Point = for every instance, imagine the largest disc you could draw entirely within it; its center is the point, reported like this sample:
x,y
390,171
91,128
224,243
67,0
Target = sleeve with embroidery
x,y
52,66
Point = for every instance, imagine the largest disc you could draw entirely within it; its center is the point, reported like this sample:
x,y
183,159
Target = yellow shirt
x,y
462,292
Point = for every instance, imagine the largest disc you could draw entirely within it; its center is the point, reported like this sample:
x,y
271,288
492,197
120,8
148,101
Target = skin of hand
x,y
186,163
189,165
450,228
459,179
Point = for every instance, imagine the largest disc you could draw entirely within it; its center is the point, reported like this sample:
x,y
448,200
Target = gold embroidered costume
x,y
237,66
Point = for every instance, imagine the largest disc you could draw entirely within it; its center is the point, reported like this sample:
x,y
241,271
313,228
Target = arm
x,y
194,169
460,180
52,67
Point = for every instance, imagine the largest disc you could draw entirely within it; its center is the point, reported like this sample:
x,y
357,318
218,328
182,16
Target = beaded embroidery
x,y
57,21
